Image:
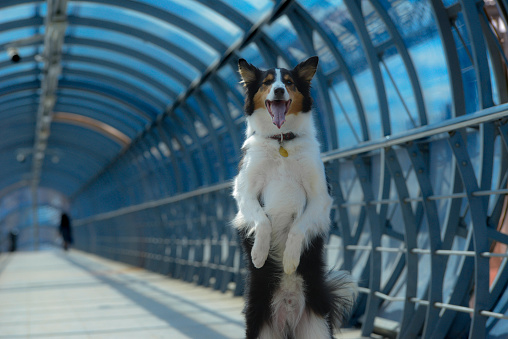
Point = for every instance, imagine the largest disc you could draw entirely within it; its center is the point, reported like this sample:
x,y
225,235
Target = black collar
x,y
283,136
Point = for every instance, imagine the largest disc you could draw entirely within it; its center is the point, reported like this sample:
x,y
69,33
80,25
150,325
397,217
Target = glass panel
x,y
116,107
125,78
207,19
468,72
346,115
327,61
147,23
114,38
375,26
252,54
254,10
18,12
401,100
285,37
129,62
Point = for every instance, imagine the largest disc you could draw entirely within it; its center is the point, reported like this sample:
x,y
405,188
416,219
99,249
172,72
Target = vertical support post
x,y
479,220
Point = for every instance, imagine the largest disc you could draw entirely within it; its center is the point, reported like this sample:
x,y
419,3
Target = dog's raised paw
x,y
292,252
261,246
259,253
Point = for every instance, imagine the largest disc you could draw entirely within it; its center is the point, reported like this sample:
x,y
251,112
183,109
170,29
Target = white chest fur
x,y
283,200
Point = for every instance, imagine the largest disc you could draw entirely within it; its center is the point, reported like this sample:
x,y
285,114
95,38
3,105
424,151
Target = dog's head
x,y
278,90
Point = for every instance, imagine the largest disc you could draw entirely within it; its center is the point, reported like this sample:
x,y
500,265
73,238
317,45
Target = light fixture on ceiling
x,y
13,53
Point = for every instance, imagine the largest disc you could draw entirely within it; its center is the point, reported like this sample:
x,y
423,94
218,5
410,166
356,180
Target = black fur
x,y
261,284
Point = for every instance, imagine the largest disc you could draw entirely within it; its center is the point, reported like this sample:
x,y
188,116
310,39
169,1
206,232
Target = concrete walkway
x,y
53,294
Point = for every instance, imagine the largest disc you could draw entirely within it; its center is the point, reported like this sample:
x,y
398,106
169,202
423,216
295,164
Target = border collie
x,y
284,211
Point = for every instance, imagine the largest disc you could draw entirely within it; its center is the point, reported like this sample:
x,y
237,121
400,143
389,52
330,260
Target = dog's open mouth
x,y
278,110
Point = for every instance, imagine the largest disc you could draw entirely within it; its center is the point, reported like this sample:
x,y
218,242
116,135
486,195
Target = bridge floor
x,y
53,294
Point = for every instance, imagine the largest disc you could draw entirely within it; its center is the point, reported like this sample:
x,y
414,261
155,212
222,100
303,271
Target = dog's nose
x,y
279,92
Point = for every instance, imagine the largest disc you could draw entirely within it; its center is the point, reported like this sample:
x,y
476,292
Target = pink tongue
x,y
279,112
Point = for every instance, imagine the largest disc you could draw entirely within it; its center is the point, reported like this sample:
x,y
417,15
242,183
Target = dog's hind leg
x,y
260,286
313,326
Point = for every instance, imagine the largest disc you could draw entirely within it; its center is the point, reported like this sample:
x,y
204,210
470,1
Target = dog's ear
x,y
247,71
305,70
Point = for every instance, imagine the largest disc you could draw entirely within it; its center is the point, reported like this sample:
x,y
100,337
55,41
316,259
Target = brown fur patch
x,y
295,95
269,77
297,104
260,96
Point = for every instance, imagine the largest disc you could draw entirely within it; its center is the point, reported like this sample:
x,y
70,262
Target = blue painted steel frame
x,y
190,237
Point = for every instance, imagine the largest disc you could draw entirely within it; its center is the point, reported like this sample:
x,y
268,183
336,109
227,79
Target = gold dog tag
x,y
283,152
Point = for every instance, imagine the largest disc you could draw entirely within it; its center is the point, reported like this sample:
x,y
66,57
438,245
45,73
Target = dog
x,y
284,208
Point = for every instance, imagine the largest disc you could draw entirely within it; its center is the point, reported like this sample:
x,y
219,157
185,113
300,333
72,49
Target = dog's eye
x,y
289,82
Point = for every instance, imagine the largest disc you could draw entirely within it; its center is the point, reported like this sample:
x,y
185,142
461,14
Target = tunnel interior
x,y
128,115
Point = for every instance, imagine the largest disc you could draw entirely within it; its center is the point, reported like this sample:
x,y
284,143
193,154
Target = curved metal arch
x,y
480,62
18,134
92,124
112,104
452,58
64,166
19,113
84,107
28,73
307,40
21,138
438,263
220,95
169,17
373,61
70,173
12,3
205,120
13,104
78,146
112,95
149,101
134,53
55,181
138,152
180,129
67,131
33,95
227,11
76,86
374,280
131,71
15,180
197,141
167,136
156,166
206,73
410,236
29,59
172,157
82,156
132,31
237,96
36,21
406,59
478,216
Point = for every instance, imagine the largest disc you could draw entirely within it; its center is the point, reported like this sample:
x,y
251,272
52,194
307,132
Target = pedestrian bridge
x,y
127,115
56,294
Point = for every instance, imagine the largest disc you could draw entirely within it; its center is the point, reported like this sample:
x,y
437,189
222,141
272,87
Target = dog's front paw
x,y
292,252
261,246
